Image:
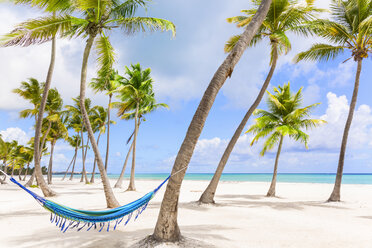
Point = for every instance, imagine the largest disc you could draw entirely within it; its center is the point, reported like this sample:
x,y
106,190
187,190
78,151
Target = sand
x,y
242,217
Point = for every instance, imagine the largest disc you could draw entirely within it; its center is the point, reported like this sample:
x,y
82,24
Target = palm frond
x,y
320,52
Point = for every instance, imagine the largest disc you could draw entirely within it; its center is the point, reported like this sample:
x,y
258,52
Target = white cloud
x,y
20,63
15,133
336,114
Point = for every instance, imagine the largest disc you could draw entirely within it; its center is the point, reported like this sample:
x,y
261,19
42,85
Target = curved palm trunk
x,y
110,198
28,167
19,173
95,162
30,181
12,174
166,228
73,165
209,192
271,192
132,186
50,166
84,156
39,176
108,132
72,160
335,196
119,183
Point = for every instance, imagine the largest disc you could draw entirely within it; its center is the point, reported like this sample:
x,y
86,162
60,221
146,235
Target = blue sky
x,y
182,68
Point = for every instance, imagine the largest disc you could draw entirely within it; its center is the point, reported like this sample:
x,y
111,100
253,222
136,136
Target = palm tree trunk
x,y
95,162
72,160
30,181
110,197
132,186
271,192
335,196
121,177
84,156
108,132
209,192
12,174
50,167
73,165
19,173
28,167
166,229
39,176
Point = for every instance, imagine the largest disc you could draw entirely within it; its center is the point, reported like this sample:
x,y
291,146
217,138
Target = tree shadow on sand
x,y
51,237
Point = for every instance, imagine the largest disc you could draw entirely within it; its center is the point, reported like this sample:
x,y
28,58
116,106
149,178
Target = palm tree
x,y
57,131
75,142
94,18
284,16
166,228
100,120
28,155
284,118
146,107
32,92
108,84
349,30
76,122
33,32
135,93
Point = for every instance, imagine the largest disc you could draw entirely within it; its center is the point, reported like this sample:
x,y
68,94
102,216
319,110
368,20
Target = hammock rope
x,y
69,218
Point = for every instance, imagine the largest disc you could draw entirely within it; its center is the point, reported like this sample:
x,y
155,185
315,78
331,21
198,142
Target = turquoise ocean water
x,y
266,177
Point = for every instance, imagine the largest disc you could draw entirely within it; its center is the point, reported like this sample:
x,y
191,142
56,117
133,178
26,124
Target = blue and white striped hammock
x,y
69,218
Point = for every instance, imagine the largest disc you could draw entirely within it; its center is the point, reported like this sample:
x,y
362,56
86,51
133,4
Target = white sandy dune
x,y
243,217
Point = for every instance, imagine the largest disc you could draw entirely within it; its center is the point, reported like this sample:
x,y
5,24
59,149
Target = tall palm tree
x,y
284,16
99,120
135,93
108,84
146,107
33,32
284,118
166,228
349,30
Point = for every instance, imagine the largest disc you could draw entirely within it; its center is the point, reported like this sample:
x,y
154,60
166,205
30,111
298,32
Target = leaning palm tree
x,y
349,30
145,108
33,32
284,16
284,118
135,93
106,83
166,228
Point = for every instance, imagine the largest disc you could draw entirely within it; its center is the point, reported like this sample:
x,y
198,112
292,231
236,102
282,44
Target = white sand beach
x,y
242,217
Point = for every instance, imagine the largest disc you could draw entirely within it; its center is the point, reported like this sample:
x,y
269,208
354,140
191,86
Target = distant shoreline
x,y
324,178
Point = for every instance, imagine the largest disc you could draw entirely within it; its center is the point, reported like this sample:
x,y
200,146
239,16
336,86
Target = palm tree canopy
x,y
284,16
108,83
32,92
349,29
99,119
283,118
136,90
